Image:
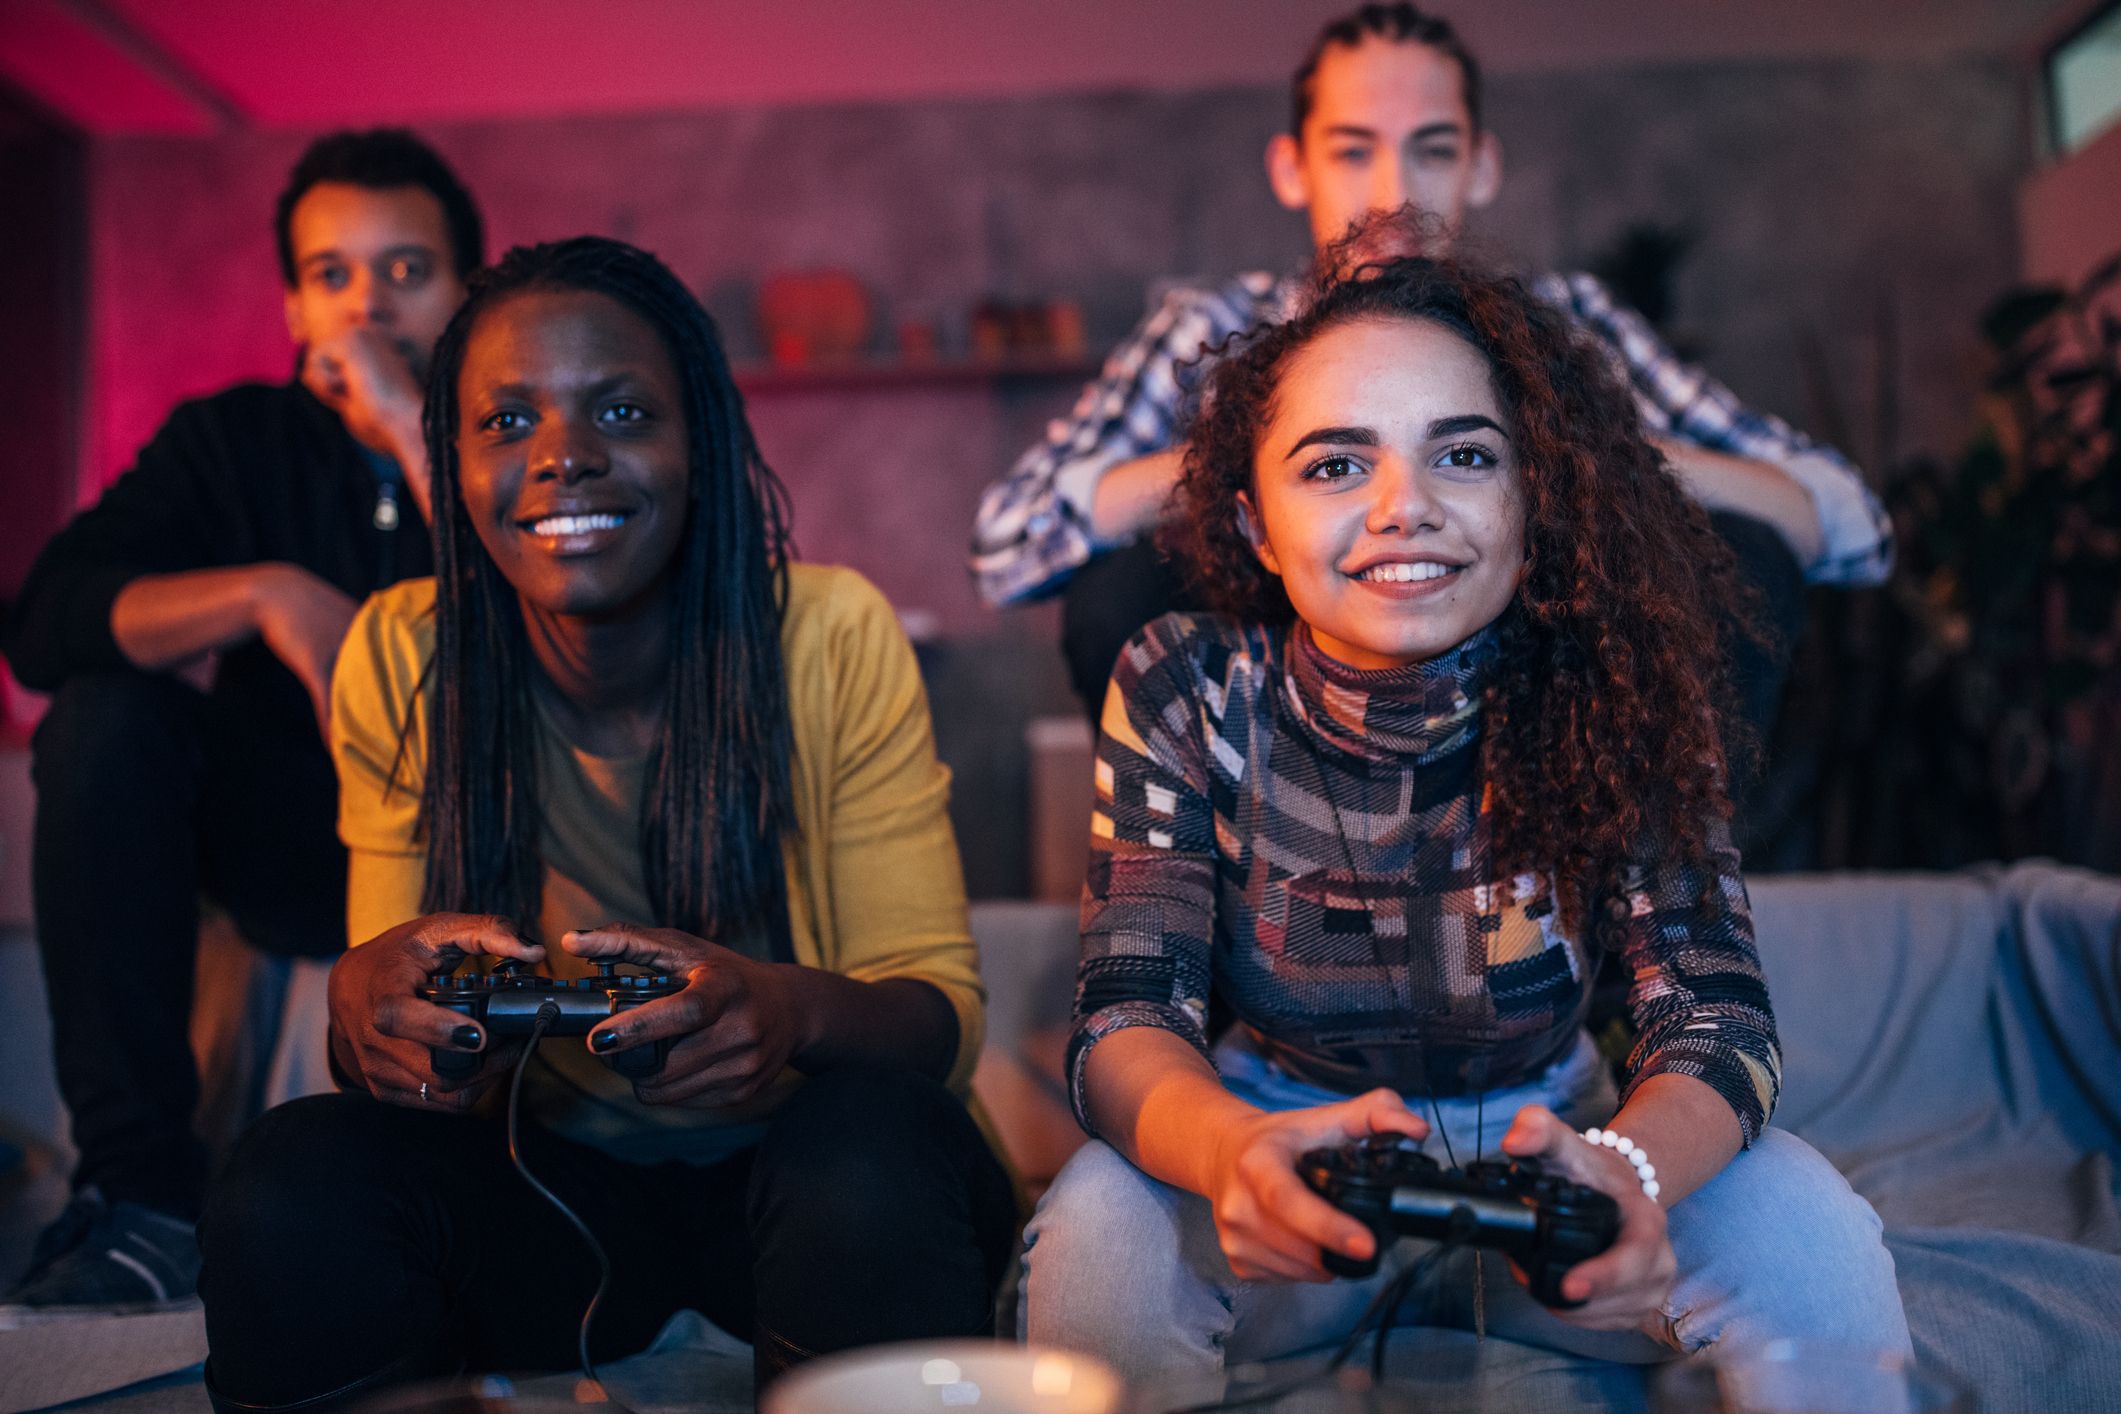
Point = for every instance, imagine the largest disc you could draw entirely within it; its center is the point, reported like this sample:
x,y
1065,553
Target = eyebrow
x,y
1367,436
1335,437
402,248
1464,422
1424,133
624,380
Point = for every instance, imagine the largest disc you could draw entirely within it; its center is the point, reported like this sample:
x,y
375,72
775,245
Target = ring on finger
x,y
423,1092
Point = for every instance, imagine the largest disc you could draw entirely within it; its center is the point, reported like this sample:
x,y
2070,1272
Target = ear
x,y
1487,170
1285,172
1248,525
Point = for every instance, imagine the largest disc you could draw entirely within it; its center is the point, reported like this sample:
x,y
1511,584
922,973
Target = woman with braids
x,y
619,725
1453,732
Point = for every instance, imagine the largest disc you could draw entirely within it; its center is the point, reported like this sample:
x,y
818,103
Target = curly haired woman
x,y
1454,733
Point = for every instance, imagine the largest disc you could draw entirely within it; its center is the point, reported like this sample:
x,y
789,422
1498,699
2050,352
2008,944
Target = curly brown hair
x,y
1603,744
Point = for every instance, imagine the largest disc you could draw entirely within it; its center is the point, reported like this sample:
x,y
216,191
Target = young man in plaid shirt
x,y
1387,112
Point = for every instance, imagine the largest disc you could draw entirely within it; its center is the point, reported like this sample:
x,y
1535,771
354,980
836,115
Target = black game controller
x,y
507,1000
1544,1222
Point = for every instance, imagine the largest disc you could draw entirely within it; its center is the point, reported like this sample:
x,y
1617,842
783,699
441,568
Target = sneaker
x,y
108,1259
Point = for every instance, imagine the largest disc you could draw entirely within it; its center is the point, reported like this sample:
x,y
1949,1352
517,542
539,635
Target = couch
x,y
1951,1042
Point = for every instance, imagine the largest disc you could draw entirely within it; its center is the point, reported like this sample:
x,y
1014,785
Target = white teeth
x,y
1406,573
556,526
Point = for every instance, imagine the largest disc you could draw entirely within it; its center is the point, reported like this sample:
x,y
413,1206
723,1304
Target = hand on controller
x,y
1624,1287
1272,1227
731,1031
382,1033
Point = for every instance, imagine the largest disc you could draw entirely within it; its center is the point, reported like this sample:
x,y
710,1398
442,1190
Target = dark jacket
x,y
257,473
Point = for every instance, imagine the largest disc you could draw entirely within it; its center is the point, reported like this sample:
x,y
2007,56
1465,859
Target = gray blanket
x,y
1953,1044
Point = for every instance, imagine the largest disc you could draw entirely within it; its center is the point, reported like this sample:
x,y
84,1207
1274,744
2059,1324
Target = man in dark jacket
x,y
238,546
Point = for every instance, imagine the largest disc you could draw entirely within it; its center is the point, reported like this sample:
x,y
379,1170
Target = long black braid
x,y
719,802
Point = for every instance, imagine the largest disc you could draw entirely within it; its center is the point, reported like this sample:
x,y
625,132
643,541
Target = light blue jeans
x,y
1127,1268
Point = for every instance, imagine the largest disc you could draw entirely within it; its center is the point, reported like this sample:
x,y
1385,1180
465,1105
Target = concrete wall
x,y
1819,190
1822,191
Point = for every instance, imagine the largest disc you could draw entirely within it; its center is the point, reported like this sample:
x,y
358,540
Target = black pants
x,y
147,797
1113,596
347,1237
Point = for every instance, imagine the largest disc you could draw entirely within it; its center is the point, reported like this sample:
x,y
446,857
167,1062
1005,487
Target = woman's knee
x,y
303,1182
1103,1232
1790,1202
1800,1252
853,1147
884,1165
1101,1200
285,1170
1125,1267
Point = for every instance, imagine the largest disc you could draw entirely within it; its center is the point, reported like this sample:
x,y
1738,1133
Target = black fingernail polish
x,y
465,1038
604,1040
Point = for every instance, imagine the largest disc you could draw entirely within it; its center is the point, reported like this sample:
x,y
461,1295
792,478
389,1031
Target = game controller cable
x,y
547,1015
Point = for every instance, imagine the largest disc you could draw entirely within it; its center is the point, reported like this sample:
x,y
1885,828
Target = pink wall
x,y
293,64
166,319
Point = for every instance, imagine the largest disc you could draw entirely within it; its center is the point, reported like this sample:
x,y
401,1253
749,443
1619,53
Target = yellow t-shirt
x,y
875,888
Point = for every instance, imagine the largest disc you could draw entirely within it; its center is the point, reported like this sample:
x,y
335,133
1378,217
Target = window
x,y
2084,81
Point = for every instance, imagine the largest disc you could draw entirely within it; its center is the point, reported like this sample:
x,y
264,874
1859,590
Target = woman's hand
x,y
381,1032
1624,1287
732,1030
1271,1225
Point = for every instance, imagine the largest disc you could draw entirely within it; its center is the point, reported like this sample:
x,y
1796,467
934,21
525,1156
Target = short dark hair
x,y
377,159
1401,24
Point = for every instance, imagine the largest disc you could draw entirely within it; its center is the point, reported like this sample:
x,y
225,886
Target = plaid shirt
x,y
1033,529
1311,844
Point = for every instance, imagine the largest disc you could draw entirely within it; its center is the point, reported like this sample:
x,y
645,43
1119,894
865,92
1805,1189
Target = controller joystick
x,y
506,1002
1544,1222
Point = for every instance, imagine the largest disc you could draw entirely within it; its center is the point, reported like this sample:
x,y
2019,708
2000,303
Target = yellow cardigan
x,y
875,886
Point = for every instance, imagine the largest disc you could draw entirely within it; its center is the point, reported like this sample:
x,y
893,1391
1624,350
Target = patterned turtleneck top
x,y
1311,843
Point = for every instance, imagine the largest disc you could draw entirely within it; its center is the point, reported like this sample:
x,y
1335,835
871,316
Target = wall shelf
x,y
882,374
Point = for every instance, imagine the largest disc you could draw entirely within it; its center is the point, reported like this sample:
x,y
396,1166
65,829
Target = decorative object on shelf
x,y
918,341
814,316
1001,328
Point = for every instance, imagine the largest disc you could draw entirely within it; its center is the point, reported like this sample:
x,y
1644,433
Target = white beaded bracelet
x,y
1645,1171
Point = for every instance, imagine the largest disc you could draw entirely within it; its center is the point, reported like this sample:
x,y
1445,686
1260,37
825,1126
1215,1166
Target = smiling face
x,y
1388,126
572,451
1386,495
